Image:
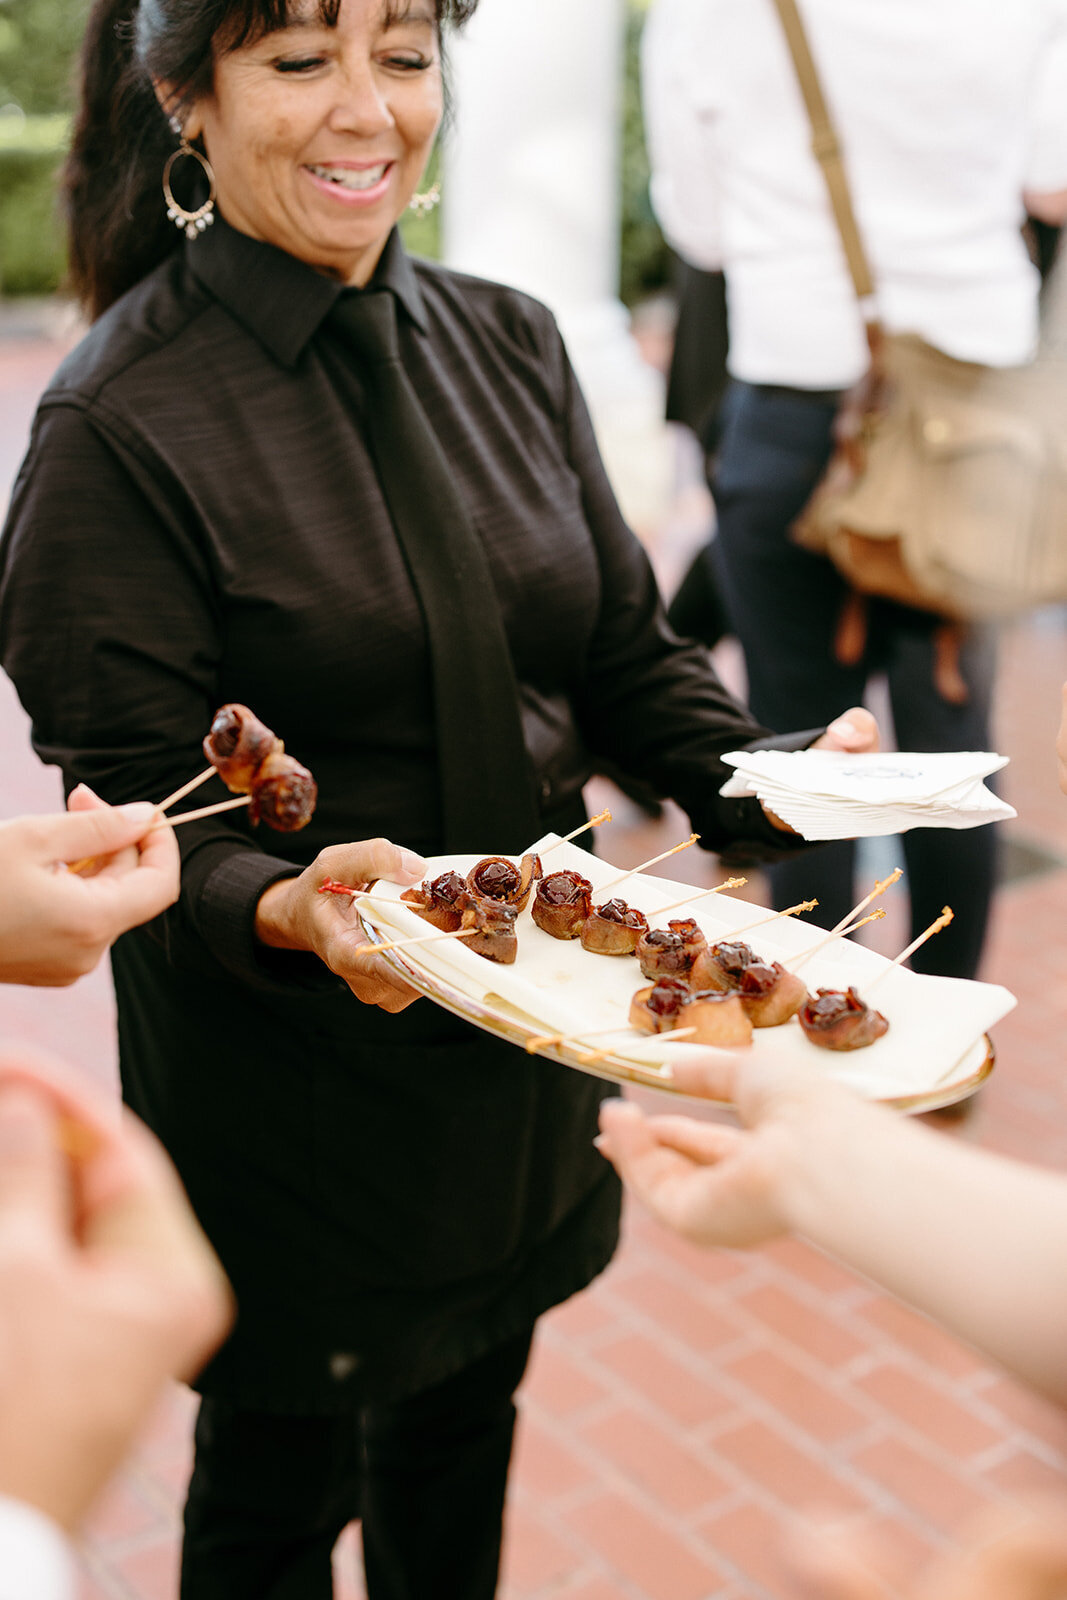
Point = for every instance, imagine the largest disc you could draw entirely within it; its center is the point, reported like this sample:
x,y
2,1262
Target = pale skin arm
x,y
54,924
293,915
108,1288
971,1239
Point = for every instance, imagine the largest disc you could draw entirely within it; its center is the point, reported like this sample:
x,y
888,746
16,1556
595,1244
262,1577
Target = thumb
x,y
82,798
34,1186
75,834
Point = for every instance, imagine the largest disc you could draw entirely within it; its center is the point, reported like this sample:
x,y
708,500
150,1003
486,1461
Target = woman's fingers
x,y
367,860
703,1142
855,730
628,1141
373,981
710,1077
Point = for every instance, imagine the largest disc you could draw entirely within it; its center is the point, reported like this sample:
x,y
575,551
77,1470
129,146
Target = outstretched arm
x,y
976,1241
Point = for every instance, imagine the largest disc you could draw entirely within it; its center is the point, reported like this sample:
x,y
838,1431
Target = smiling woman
x,y
318,133
318,120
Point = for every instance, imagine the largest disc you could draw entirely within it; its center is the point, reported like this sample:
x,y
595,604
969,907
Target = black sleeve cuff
x,y
225,899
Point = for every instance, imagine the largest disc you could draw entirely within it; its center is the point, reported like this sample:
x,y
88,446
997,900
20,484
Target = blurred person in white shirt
x,y
952,115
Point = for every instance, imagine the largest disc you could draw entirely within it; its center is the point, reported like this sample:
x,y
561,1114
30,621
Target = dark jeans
x,y
783,604
271,1495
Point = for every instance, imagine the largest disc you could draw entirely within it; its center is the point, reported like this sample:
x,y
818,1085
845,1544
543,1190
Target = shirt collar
x,y
283,301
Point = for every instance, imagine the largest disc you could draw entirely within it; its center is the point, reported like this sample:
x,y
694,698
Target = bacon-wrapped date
x,y
495,921
720,966
562,903
237,744
655,1009
837,1019
670,952
497,878
613,929
283,794
440,901
716,1015
769,993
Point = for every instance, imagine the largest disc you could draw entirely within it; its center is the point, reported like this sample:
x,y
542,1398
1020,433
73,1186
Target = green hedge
x,y
31,241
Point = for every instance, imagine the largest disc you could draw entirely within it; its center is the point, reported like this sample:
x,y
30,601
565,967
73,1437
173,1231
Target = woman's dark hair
x,y
116,218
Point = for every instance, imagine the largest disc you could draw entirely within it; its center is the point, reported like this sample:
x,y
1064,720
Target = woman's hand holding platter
x,y
294,915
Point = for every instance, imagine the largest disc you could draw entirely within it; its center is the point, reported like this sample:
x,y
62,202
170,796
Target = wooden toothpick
x,y
543,1041
879,888
204,811
604,887
942,921
594,822
415,938
790,911
840,932
699,894
587,1057
186,788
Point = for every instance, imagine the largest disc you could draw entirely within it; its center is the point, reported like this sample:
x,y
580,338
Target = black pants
x,y
783,604
271,1495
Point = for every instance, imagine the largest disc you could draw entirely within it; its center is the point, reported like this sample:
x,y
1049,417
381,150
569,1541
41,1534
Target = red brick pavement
x,y
679,1414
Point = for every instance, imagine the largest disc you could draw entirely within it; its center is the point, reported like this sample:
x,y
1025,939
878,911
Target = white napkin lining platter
x,y
935,1051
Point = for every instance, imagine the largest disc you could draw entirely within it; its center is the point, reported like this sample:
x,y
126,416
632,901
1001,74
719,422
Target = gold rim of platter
x,y
617,1069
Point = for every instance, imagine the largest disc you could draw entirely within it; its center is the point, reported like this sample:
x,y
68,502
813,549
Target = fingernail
x,y
599,1142
138,811
842,727
412,863
79,788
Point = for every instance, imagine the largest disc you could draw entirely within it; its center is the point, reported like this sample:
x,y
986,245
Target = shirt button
x,y
546,790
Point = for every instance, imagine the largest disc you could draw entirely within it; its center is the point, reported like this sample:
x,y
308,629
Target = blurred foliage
x,y
31,246
38,46
645,260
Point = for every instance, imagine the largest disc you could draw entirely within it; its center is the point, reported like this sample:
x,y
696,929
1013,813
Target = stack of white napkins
x,y
828,794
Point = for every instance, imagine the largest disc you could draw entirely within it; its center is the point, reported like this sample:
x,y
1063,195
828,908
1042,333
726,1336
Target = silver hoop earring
x,y
191,223
423,204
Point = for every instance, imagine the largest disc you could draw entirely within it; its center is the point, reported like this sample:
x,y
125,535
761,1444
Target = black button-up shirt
x,y
198,520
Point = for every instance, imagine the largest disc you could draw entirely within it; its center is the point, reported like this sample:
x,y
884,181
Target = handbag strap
x,y
827,151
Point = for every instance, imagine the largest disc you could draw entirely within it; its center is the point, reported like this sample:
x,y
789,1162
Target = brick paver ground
x,y
679,1415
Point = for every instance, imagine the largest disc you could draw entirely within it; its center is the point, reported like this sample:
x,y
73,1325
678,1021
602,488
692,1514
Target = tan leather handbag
x,y
948,486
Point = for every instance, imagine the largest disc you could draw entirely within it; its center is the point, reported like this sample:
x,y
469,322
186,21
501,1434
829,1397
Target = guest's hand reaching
x,y
108,1288
56,924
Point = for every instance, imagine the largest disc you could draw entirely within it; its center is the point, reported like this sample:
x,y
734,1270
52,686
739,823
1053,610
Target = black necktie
x,y
486,781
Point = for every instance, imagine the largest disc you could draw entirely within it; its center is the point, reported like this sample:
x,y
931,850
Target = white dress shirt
x,y
946,110
35,1558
